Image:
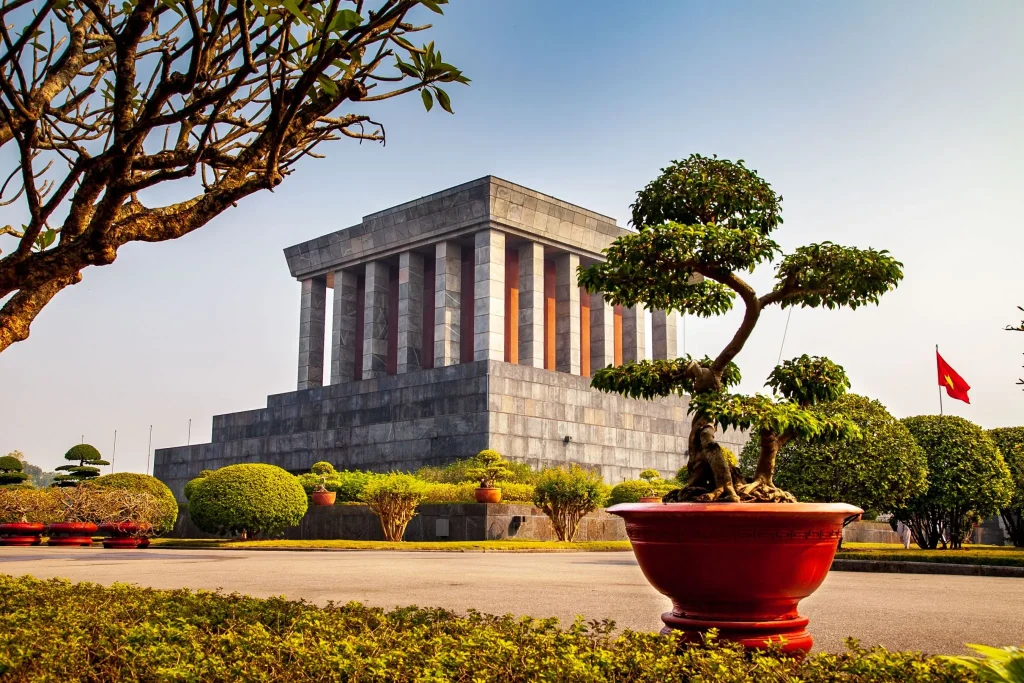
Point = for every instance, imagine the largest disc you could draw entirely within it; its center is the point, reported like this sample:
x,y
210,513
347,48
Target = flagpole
x,y
940,386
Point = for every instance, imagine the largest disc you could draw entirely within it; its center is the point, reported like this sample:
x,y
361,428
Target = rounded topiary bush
x,y
143,483
191,484
248,499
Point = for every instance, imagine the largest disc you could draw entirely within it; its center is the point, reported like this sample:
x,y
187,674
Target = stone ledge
x,y
896,567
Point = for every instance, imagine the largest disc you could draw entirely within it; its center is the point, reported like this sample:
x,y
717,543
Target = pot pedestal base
x,y
749,634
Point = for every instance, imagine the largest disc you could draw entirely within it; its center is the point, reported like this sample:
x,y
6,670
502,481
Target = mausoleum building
x,y
456,324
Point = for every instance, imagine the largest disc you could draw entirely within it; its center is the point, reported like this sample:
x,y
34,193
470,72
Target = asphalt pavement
x,y
905,611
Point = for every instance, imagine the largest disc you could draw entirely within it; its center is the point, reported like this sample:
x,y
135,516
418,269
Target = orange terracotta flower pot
x,y
323,497
487,495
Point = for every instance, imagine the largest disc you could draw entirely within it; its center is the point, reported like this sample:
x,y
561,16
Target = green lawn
x,y
435,546
1006,556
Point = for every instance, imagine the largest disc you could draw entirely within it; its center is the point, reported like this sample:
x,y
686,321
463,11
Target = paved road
x,y
908,611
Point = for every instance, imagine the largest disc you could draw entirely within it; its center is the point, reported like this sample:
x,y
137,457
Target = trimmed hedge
x,y
632,490
132,481
251,498
56,630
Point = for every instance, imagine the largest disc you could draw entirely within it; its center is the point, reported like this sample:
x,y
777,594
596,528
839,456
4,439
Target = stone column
x,y
410,312
447,303
375,320
343,327
567,314
312,319
489,296
634,337
602,333
664,330
531,305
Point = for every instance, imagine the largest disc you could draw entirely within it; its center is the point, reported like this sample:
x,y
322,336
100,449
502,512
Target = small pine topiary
x,y
11,473
248,499
143,483
89,461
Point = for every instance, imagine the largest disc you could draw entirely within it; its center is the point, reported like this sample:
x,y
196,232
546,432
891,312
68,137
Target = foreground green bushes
x,y
55,630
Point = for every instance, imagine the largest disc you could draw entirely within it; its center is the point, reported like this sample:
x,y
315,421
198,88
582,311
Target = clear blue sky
x,y
893,125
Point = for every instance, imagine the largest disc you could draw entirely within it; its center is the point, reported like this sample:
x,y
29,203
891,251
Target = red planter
x,y
21,533
487,495
70,533
323,497
741,568
123,536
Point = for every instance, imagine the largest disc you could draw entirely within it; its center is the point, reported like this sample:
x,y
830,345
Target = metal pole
x,y
149,449
784,333
189,441
113,453
940,386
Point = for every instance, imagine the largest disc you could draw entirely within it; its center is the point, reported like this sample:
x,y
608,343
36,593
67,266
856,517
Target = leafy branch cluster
x,y
215,99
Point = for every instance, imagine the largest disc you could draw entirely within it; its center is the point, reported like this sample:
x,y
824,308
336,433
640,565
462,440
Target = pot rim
x,y
734,509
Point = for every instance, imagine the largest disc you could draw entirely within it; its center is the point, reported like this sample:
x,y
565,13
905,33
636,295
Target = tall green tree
x,y
1010,441
143,120
702,225
968,480
879,471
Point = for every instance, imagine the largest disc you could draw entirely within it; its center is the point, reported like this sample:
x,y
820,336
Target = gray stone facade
x,y
456,325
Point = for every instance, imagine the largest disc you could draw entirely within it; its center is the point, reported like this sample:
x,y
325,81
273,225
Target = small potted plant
x,y
651,494
16,507
126,517
320,495
75,508
490,468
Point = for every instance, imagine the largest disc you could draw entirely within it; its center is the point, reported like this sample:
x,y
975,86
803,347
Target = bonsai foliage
x,y
167,507
76,504
714,218
566,495
143,120
26,505
393,498
967,481
1010,441
880,471
126,506
248,499
11,471
89,461
490,467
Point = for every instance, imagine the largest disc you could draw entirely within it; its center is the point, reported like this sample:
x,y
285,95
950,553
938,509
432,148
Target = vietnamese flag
x,y
955,385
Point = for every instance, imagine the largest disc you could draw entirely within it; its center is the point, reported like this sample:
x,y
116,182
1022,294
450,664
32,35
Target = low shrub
x,y
346,484
566,495
191,484
459,471
132,481
632,490
248,499
437,492
56,630
515,492
996,664
393,498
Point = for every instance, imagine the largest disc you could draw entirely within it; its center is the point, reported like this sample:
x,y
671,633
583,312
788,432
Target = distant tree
x,y
702,225
1010,441
107,104
879,471
968,480
89,461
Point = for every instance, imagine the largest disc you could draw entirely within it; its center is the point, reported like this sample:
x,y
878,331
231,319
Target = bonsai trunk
x,y
763,489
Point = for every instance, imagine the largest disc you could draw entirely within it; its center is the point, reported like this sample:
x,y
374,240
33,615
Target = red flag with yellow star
x,y
955,385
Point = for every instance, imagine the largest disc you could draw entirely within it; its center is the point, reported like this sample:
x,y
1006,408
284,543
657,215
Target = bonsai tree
x,y
567,495
702,224
393,498
126,506
1010,441
89,461
490,468
167,507
11,471
967,481
248,500
880,471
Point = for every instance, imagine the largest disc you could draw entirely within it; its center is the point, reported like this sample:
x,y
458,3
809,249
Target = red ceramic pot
x,y
21,533
122,535
741,568
70,533
487,495
323,497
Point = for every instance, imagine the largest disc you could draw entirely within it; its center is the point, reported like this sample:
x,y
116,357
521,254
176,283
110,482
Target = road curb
x,y
893,567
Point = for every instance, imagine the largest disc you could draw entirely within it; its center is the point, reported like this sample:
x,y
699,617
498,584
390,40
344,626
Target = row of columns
x,y
362,304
